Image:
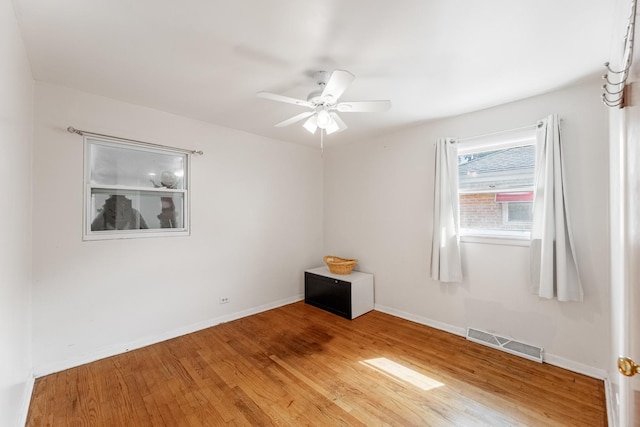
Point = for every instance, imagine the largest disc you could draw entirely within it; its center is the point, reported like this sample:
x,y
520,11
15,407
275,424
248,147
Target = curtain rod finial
x,y
71,129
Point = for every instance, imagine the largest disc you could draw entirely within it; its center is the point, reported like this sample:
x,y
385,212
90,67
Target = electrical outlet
x,y
224,300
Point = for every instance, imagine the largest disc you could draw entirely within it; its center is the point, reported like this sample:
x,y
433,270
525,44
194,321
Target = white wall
x,y
16,121
256,217
378,208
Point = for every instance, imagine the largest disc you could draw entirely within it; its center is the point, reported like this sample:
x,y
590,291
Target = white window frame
x,y
501,141
89,235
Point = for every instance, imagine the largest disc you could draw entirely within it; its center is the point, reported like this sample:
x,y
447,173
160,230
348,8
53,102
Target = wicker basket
x,y
339,265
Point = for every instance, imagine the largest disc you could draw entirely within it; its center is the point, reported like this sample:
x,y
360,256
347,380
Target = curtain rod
x,y
537,125
71,129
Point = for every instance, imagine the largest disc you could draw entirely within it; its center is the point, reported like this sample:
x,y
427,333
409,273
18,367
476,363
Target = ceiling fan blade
x,y
363,106
295,118
281,98
337,84
335,124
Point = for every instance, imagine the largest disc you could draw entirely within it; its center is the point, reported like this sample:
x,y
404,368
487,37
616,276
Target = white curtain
x,y
554,272
445,246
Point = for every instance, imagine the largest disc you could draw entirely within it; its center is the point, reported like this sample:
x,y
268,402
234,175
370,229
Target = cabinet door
x,y
328,294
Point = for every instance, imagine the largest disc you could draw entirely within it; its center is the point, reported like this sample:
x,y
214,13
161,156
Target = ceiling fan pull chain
x,y
321,142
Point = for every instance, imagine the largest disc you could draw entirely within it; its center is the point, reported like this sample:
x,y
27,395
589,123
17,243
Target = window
x,y
495,185
134,191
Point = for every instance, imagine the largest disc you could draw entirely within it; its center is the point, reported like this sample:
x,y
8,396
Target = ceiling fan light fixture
x,y
311,124
332,127
323,119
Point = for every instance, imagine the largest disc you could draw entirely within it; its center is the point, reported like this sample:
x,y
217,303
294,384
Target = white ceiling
x,y
206,59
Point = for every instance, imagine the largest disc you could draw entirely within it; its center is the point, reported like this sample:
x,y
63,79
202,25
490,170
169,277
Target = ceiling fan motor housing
x,y
315,97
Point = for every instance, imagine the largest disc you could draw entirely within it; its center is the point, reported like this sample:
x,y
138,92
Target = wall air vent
x,y
505,344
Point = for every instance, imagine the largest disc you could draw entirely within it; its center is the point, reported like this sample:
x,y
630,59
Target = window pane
x,y
495,190
479,211
135,210
508,169
520,212
122,165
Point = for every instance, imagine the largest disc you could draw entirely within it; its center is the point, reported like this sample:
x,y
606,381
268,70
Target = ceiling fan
x,y
324,104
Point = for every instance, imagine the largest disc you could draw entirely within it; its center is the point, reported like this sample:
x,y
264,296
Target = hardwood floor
x,y
298,365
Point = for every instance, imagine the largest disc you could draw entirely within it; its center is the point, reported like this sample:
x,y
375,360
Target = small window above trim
x,y
133,191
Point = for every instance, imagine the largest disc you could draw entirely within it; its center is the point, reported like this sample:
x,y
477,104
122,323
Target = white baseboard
x,y
26,400
551,359
611,402
422,320
576,367
114,350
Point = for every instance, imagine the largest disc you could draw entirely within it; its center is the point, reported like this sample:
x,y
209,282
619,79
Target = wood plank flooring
x,y
298,365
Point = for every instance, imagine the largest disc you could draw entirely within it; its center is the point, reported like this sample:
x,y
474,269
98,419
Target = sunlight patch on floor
x,y
398,371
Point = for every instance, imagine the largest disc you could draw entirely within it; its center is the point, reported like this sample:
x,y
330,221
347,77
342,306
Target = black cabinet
x,y
348,295
329,294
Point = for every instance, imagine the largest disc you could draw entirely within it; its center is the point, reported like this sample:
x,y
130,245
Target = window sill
x,y
496,240
134,234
